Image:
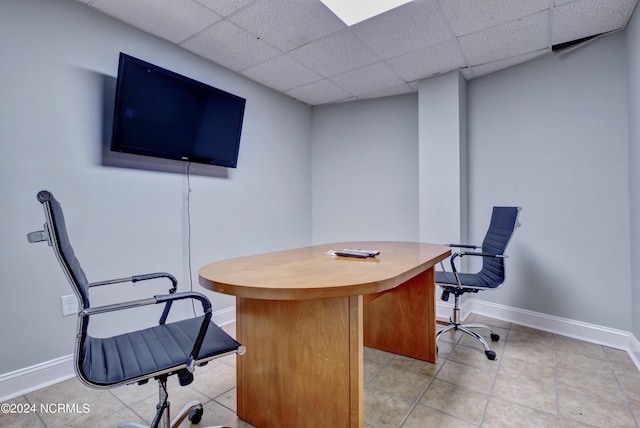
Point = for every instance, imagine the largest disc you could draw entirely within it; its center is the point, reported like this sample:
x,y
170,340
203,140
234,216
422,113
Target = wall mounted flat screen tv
x,y
163,114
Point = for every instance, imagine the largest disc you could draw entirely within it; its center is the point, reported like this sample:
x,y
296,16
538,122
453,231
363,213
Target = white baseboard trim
x,y
566,327
29,379
23,381
593,333
225,316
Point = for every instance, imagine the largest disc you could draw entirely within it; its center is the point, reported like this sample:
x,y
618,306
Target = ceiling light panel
x,y
353,11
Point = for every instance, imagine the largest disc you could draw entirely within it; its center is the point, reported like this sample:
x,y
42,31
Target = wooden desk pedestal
x,y
307,366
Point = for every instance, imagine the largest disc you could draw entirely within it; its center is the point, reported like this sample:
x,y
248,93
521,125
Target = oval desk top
x,y
313,273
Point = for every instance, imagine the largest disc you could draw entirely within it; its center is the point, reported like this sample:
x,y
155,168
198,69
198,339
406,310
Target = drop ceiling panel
x,y
404,29
470,16
428,61
296,46
367,79
173,20
320,92
224,7
230,46
281,73
583,18
286,24
484,69
404,88
335,54
512,39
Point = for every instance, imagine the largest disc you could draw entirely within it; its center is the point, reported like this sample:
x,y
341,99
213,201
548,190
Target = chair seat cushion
x,y
113,360
466,279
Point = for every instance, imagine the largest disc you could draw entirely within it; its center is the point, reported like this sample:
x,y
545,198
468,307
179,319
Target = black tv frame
x,y
148,139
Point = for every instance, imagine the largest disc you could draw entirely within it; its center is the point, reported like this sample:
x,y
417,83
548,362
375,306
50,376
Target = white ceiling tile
x,y
281,73
367,79
230,46
584,18
404,88
512,39
428,61
470,16
294,45
173,20
320,92
335,54
288,24
404,29
484,69
224,7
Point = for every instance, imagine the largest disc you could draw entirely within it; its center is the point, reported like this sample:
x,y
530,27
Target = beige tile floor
x,y
538,380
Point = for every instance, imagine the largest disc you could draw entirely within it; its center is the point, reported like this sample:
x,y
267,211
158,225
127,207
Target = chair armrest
x,y
206,307
136,278
463,246
145,277
471,253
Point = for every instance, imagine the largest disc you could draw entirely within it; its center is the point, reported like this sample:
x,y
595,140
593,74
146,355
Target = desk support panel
x,y
402,320
295,362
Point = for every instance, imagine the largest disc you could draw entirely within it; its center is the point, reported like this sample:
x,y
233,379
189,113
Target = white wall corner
x,y
634,350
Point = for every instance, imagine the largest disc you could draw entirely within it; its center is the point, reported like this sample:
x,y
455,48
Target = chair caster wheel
x,y
195,416
495,337
490,355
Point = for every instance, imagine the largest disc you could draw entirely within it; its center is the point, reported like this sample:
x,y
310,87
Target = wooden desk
x,y
304,317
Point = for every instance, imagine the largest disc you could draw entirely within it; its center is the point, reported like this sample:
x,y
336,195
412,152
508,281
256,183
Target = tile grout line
x,y
44,424
495,378
424,391
621,387
555,375
127,406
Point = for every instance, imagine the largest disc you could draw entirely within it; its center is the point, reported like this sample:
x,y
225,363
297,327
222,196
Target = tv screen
x,y
163,114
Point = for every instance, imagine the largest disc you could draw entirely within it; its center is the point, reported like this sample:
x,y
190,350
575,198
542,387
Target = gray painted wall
x,y
58,72
551,136
365,170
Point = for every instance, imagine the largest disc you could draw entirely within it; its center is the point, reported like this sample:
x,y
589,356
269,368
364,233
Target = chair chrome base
x,y
454,324
192,410
466,329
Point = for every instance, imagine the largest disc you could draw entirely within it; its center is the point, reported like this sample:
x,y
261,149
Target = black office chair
x,y
504,221
156,352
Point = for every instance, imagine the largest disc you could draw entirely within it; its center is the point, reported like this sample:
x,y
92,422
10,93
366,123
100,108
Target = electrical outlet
x,y
69,305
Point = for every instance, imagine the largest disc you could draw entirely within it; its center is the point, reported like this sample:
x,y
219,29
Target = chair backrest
x,y
62,248
504,221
